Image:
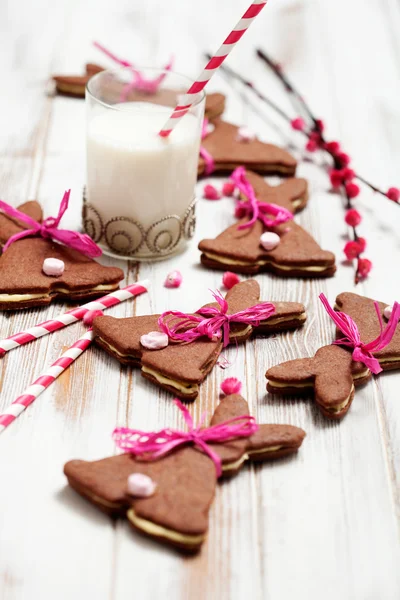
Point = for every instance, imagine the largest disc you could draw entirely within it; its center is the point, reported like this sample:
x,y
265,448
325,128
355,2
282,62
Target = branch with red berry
x,y
342,176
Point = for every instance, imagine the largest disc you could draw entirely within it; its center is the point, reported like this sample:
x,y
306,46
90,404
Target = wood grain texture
x,y
324,524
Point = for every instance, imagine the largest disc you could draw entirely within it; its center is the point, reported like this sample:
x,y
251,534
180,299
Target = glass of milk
x,y
140,196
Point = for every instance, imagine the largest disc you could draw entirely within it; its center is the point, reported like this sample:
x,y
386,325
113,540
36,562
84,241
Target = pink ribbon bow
x,y
363,352
49,229
254,208
208,159
139,82
153,445
181,327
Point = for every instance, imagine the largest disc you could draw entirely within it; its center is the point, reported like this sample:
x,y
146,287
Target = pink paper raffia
x,y
48,229
149,86
181,327
153,445
253,207
363,352
208,159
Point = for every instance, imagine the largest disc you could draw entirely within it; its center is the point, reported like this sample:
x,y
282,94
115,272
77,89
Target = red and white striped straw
x,y
72,316
43,382
213,64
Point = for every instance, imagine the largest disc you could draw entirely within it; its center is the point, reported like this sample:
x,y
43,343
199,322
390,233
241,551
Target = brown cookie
x,y
240,251
181,368
331,375
362,311
22,281
177,512
228,152
75,86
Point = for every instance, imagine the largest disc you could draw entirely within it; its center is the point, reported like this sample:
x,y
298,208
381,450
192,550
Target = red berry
x,y
311,146
230,279
352,250
211,193
364,267
228,188
393,194
353,217
362,242
348,174
336,178
352,190
333,147
298,124
343,158
320,125
240,210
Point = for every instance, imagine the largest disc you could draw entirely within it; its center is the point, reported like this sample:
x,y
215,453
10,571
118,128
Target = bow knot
x,y
254,208
49,229
153,445
363,352
211,321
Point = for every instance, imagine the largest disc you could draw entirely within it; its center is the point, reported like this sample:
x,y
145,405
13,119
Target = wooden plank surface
x,y
324,524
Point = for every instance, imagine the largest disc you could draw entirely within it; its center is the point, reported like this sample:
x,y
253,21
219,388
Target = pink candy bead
x,y
230,279
173,279
211,193
231,385
245,134
53,267
154,340
269,240
140,485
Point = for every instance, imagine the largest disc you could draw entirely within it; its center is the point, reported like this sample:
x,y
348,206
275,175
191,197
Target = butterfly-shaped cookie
x,y
332,375
181,368
22,280
297,253
228,151
177,512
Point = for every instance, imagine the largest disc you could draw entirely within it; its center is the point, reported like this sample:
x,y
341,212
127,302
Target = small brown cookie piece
x,y
181,368
331,374
185,479
240,251
228,152
362,311
22,281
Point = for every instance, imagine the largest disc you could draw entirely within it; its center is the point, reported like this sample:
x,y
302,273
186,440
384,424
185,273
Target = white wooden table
x,y
322,525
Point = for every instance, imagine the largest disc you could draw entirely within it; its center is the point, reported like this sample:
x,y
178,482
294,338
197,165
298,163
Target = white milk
x,y
133,172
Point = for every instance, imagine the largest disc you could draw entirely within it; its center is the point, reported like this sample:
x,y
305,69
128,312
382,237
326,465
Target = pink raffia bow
x,y
149,86
363,352
49,229
254,208
208,159
181,327
153,445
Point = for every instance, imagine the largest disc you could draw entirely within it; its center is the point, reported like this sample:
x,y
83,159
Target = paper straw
x,y
76,314
43,382
213,64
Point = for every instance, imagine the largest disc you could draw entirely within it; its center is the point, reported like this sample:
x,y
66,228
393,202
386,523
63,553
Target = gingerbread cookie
x,y
181,368
335,370
172,502
22,280
362,311
229,151
331,374
285,249
75,86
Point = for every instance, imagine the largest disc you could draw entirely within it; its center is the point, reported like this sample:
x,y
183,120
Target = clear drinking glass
x,y
139,201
